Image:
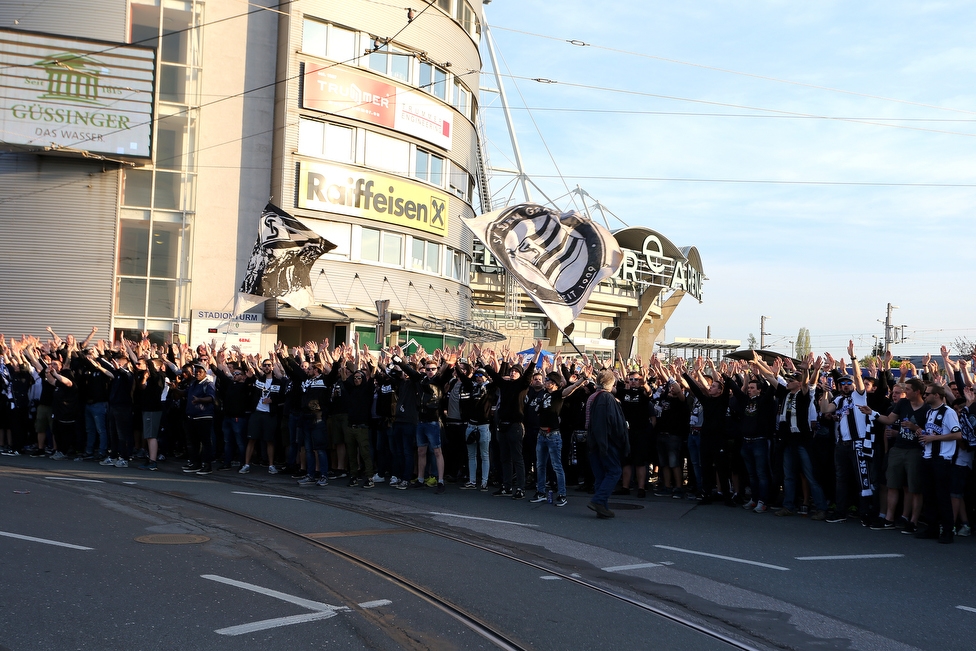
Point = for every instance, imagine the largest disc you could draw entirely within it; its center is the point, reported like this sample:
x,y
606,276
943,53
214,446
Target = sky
x,y
819,154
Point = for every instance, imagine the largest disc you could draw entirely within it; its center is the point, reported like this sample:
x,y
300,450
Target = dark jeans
x,y
793,456
199,440
455,449
936,501
380,439
755,454
606,473
235,431
296,438
404,444
120,428
510,445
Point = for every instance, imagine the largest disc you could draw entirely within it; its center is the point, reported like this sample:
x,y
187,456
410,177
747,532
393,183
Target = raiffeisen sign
x,y
77,95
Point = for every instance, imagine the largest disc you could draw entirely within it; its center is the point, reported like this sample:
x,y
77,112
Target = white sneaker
x,y
378,479
394,481
121,463
272,470
160,457
58,456
107,461
750,505
246,468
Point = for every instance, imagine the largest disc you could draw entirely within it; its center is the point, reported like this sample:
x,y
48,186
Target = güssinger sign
x,y
361,193
74,94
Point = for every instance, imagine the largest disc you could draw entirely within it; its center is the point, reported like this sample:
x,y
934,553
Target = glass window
x,y
433,257
466,16
311,136
460,98
369,248
459,181
172,84
423,160
392,248
315,38
162,298
440,84
143,24
130,299
342,44
390,62
340,143
437,171
170,141
417,253
445,5
176,34
385,153
457,266
338,234
167,195
165,245
137,188
133,247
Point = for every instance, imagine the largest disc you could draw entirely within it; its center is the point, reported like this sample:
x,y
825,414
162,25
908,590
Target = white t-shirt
x,y
950,423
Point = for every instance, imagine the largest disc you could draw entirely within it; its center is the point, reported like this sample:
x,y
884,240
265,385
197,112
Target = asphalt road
x,y
531,571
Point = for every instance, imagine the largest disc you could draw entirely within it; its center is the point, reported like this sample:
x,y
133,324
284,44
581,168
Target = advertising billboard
x,y
362,193
331,89
77,95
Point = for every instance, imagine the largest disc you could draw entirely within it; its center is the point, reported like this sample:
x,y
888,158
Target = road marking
x,y
624,568
130,483
471,517
91,481
967,608
45,541
320,610
550,578
362,532
724,558
847,557
282,497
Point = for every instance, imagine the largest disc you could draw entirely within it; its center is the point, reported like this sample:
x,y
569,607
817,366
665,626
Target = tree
x,y
803,345
964,346
752,341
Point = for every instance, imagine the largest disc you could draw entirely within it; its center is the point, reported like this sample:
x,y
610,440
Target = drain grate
x,y
172,539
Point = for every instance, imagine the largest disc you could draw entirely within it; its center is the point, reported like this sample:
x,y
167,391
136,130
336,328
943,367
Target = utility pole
x,y
888,333
762,332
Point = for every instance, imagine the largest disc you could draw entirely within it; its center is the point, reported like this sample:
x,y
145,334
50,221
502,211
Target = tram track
x,y
472,621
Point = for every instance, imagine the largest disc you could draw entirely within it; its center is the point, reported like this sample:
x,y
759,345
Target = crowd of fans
x,y
890,447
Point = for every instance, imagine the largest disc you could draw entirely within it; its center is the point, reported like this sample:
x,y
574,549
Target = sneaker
x,y
246,468
85,457
160,457
272,470
121,463
149,465
393,480
945,537
307,480
205,469
834,516
601,511
503,492
561,500
663,491
694,496
107,461
518,494
469,486
761,507
909,528
881,524
37,453
322,482
750,505
440,488
416,483
431,481
483,488
539,497
332,475
819,516
58,456
299,474
783,512
191,467
141,454
804,510
901,522
378,478
403,485
236,464
964,530
368,483
354,482
342,475
677,494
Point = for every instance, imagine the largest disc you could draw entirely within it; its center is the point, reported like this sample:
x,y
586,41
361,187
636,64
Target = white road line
x,y
90,481
298,601
375,604
624,568
471,517
847,557
45,541
283,497
550,578
275,623
967,608
130,483
724,558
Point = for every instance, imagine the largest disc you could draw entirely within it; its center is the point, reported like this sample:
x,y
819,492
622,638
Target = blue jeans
x,y
484,440
96,420
235,429
694,456
606,472
429,435
792,454
549,447
755,454
404,444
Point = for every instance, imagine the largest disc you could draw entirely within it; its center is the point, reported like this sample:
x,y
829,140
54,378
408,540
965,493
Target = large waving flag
x,y
557,258
281,261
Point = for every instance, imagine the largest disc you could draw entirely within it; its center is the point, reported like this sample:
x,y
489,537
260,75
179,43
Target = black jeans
x,y
199,440
510,446
936,502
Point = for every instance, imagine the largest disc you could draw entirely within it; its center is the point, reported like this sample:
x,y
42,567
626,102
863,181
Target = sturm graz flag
x,y
557,258
282,259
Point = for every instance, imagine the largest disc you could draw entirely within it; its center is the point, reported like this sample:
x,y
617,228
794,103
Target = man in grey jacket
x,y
608,441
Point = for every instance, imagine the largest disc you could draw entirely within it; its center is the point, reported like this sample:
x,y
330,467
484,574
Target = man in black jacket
x,y
608,442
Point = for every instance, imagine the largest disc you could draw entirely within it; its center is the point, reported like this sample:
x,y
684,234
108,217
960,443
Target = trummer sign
x,y
59,93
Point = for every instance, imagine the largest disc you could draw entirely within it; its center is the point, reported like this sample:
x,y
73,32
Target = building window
x,y
425,256
325,140
433,80
386,153
391,62
393,249
380,246
458,266
460,181
445,5
369,246
328,41
429,167
461,100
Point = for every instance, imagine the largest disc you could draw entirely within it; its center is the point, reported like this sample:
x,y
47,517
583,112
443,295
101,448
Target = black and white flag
x,y
281,261
557,258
